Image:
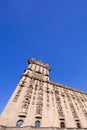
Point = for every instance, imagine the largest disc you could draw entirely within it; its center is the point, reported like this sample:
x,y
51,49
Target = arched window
x,y
62,124
78,125
37,124
19,123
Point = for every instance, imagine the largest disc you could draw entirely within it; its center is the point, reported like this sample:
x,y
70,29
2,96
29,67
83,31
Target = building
x,y
38,102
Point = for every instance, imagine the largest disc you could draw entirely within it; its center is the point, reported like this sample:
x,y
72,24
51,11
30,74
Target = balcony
x,y
38,116
22,114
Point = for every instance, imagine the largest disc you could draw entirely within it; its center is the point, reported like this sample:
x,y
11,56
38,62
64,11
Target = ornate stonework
x,y
39,102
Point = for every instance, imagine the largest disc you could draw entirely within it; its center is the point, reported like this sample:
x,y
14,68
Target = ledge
x,y
41,128
22,114
38,116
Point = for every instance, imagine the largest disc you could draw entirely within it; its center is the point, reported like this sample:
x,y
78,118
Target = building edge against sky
x,y
39,102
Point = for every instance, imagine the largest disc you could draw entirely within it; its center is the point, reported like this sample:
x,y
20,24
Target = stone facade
x,y
39,102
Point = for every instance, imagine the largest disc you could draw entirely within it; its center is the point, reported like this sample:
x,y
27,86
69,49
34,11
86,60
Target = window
x,y
24,105
24,109
19,123
78,125
37,124
40,93
38,109
31,86
62,124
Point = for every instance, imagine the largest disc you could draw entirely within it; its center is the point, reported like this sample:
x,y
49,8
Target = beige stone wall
x,y
36,98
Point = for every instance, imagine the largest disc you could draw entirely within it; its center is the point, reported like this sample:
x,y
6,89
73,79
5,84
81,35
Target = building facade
x,y
38,102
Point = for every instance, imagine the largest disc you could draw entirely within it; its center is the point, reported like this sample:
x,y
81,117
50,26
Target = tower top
x,y
38,70
39,62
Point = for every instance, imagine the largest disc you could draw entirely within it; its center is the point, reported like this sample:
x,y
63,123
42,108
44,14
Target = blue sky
x,y
54,31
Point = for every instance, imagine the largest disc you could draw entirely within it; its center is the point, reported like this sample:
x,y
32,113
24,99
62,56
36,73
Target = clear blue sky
x,y
54,31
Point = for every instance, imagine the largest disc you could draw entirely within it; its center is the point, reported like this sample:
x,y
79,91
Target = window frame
x,y
19,123
37,124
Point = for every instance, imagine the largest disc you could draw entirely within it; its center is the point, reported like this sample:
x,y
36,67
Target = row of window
x,y
20,123
37,124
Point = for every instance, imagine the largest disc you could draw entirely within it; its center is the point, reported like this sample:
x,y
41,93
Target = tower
x,y
39,102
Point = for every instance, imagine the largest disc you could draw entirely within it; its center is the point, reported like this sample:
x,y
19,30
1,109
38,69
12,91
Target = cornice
x,y
40,63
